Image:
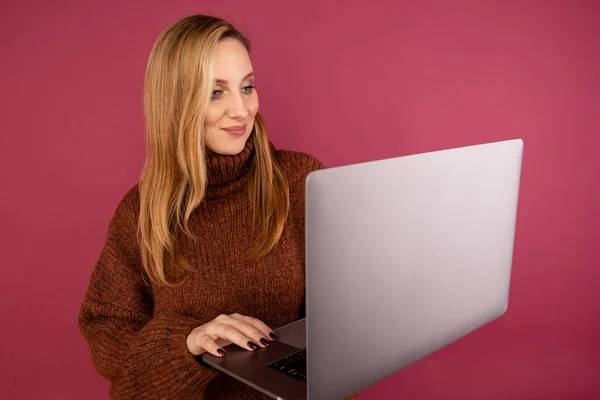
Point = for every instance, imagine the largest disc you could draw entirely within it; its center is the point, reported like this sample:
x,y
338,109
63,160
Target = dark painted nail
x,y
221,351
273,336
264,341
253,345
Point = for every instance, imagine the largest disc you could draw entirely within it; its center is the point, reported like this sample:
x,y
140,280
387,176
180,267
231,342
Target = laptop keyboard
x,y
293,365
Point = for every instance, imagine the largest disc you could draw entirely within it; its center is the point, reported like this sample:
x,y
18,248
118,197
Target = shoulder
x,y
132,196
121,237
131,199
296,167
297,164
127,209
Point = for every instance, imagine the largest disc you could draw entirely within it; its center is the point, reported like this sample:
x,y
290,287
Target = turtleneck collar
x,y
228,173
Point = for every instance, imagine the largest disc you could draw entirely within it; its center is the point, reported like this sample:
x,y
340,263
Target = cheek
x,y
252,105
213,116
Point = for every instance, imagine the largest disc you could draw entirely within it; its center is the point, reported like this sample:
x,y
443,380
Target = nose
x,y
237,107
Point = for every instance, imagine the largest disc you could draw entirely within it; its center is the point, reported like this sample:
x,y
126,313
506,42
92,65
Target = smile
x,y
237,130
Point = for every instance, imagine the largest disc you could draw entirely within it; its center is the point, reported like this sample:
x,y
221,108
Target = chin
x,y
231,147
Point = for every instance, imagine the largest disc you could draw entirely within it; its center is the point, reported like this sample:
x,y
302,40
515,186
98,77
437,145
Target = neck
x,y
227,173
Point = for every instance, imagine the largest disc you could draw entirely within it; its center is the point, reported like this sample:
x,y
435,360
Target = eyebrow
x,y
224,82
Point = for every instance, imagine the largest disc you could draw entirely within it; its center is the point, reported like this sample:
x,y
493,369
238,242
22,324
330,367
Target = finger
x,y
222,342
205,343
247,328
258,324
228,330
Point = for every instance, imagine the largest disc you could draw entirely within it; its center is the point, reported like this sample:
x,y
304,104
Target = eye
x,y
248,89
216,93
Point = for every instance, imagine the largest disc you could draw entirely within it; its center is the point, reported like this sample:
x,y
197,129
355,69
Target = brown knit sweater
x,y
137,333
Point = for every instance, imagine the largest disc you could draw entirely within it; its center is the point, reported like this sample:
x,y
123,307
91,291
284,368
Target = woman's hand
x,y
247,332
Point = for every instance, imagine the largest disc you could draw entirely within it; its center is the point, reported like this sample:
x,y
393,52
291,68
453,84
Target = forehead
x,y
232,61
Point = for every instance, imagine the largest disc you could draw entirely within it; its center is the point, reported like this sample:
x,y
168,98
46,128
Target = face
x,y
234,103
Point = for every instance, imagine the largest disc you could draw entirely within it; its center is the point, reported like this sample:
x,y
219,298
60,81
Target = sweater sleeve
x,y
144,356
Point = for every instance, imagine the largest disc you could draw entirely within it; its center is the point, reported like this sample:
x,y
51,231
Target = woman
x,y
208,248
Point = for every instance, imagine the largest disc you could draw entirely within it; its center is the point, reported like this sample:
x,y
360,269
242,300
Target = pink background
x,y
348,81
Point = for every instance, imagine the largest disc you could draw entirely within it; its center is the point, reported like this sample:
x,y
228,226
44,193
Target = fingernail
x,y
273,336
264,341
221,351
253,345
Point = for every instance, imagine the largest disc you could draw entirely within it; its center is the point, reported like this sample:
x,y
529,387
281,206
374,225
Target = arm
x,y
143,355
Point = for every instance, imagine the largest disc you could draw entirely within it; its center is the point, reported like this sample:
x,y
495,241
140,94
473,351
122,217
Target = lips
x,y
237,130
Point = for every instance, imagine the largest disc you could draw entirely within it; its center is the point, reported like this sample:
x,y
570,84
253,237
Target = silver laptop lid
x,y
404,256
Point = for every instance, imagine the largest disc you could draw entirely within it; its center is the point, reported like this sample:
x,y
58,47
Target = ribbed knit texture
x,y
137,333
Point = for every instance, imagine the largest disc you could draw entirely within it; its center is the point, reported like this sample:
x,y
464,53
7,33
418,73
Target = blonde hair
x,y
177,90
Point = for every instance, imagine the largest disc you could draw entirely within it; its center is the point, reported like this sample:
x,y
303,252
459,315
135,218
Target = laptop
x,y
403,257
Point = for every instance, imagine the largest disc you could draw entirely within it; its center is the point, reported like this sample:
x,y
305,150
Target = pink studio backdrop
x,y
347,81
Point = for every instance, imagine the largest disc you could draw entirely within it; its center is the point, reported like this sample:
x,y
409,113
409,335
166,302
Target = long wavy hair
x,y
177,91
